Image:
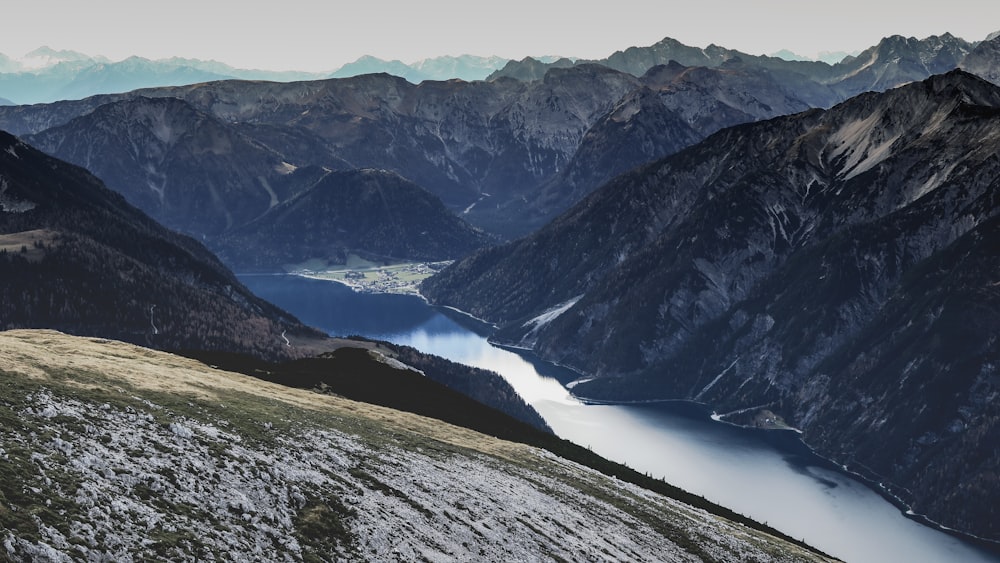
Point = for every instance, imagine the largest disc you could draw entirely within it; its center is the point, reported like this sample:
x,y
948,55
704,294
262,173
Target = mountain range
x,y
506,155
208,177
835,267
47,75
770,237
894,61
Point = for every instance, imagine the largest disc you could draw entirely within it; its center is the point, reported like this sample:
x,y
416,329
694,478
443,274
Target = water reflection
x,y
770,476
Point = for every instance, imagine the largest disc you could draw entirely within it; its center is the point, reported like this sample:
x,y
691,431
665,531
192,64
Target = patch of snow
x,y
270,192
394,363
470,207
716,380
551,314
576,382
859,144
874,155
934,182
537,323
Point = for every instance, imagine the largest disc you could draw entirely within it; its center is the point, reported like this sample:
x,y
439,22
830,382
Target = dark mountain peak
x,y
975,88
672,66
663,74
713,48
668,42
940,93
895,40
370,212
368,64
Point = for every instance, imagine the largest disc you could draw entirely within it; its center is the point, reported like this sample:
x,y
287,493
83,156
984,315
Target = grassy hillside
x,y
116,451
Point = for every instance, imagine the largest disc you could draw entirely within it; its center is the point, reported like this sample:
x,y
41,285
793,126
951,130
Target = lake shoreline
x,y
872,483
835,510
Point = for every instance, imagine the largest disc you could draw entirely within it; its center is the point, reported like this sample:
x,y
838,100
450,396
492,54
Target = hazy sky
x,y
323,34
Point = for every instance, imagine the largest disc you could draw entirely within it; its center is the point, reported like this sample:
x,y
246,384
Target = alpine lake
x,y
769,475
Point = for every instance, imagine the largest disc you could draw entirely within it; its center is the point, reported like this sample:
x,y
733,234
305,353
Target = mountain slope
x,y
185,168
225,465
799,265
371,212
78,258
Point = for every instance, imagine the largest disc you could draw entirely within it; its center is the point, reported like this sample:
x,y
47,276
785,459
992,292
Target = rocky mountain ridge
x,y
799,265
509,155
894,61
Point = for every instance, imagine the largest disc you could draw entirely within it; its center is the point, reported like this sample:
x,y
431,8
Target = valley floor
x,y
401,279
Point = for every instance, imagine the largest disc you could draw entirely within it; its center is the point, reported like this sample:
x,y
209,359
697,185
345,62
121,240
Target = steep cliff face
x,y
819,265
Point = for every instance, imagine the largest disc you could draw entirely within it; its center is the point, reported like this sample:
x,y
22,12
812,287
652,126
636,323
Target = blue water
x,y
770,476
